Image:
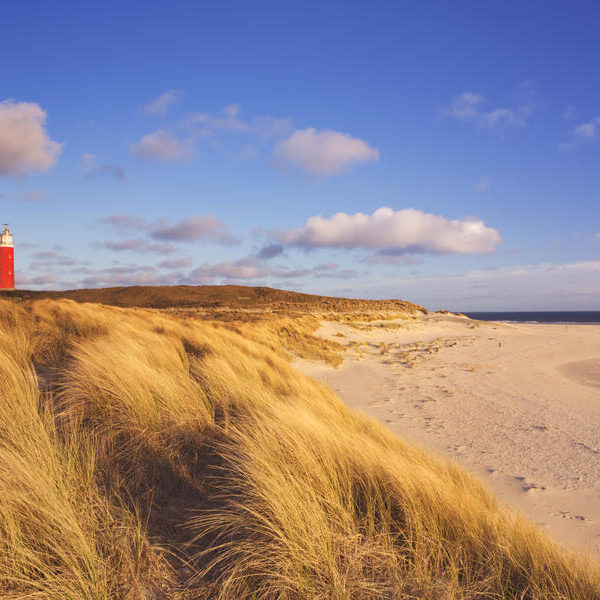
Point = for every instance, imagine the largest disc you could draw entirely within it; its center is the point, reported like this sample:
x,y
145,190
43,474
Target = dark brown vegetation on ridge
x,y
217,296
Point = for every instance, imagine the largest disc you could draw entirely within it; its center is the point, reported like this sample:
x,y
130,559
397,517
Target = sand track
x,y
519,405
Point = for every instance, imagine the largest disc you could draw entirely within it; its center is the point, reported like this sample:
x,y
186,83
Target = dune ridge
x,y
215,296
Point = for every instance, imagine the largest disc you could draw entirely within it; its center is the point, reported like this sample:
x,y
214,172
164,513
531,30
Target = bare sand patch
x,y
586,372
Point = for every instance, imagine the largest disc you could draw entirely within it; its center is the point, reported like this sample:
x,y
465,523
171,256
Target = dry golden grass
x,y
145,456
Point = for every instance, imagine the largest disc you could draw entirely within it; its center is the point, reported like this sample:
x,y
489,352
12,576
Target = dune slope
x,y
145,456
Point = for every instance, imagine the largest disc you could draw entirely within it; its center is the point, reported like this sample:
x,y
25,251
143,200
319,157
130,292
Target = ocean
x,y
584,316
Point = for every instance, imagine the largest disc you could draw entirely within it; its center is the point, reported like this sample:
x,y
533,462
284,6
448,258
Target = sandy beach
x,y
516,404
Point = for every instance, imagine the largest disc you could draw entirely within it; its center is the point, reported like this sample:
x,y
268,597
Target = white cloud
x,y
483,185
162,146
161,105
585,132
407,231
24,143
470,108
324,152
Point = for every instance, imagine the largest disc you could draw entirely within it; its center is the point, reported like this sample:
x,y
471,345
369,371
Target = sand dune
x,y
518,404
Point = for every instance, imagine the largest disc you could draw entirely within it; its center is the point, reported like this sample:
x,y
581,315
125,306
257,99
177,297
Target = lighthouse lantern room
x,y
7,260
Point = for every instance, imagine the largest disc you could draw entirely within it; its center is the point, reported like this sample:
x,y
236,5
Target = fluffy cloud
x,y
24,143
586,132
161,105
319,152
407,231
93,169
189,229
162,146
324,152
470,108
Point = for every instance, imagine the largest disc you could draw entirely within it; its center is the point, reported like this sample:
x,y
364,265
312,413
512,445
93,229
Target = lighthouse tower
x,y
7,260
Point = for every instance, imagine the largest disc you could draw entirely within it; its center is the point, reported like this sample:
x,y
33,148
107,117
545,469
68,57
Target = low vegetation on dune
x,y
148,456
228,297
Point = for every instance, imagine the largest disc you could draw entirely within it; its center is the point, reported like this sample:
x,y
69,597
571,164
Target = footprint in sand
x,y
459,449
538,428
532,487
586,448
565,514
427,399
528,486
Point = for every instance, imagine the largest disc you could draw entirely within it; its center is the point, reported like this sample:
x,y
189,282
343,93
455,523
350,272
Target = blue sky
x,y
445,153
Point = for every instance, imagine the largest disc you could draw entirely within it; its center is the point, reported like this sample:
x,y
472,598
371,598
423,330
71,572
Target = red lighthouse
x,y
7,260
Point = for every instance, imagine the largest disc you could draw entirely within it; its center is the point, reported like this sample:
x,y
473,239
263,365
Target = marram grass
x,y
143,456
